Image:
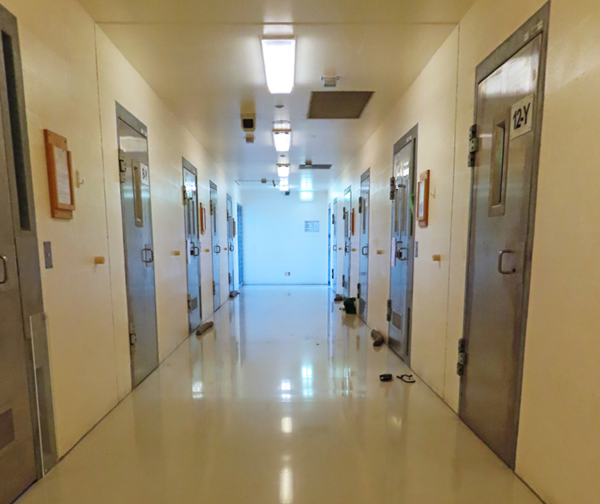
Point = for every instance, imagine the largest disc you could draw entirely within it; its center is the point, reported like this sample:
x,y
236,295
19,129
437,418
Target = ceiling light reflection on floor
x,y
286,490
286,425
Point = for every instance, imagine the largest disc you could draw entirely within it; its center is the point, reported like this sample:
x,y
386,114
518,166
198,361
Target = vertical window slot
x,y
138,206
498,166
16,131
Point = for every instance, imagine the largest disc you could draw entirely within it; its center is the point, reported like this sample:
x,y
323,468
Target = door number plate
x,y
521,117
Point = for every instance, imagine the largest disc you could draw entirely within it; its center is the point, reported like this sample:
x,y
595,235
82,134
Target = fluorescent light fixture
x,y
282,135
306,195
279,55
283,170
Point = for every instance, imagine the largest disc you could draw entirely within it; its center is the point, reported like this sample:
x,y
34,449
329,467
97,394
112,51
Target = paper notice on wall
x,y
311,226
63,179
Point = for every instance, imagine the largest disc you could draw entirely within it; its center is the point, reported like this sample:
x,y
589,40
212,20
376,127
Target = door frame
x,y
230,256
537,24
240,244
214,231
334,245
16,139
348,238
363,177
411,136
186,165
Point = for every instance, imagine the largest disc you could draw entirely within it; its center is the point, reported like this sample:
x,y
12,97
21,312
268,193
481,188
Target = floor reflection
x,y
281,403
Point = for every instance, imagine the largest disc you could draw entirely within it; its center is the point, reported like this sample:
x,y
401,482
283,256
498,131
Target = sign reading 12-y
x,y
521,117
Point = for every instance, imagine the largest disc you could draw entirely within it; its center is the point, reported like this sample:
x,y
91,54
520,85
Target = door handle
x,y
400,255
500,258
195,250
231,248
217,247
5,269
363,250
145,260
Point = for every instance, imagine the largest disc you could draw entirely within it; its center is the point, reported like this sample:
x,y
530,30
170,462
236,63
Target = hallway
x,y
281,403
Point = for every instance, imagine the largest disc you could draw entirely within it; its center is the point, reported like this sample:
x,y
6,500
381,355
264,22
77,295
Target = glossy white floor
x,y
281,404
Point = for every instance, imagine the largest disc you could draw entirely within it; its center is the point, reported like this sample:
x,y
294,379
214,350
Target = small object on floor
x,y
407,378
204,327
378,338
350,306
385,377
233,294
338,298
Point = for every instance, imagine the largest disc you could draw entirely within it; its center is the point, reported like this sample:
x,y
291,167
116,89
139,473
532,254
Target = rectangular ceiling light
x,y
279,55
283,170
282,136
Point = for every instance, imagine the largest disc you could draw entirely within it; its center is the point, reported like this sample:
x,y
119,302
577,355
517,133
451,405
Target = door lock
x,y
366,247
147,255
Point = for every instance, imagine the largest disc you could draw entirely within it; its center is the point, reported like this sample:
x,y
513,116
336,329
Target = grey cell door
x,y
139,248
402,245
230,244
508,122
192,242
363,227
347,215
216,248
17,453
334,245
240,241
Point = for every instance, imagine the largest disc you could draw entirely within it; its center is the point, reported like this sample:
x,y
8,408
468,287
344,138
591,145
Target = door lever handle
x,y
500,258
217,247
145,258
363,250
5,270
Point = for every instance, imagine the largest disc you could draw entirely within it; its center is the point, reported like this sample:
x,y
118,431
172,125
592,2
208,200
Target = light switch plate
x,y
48,255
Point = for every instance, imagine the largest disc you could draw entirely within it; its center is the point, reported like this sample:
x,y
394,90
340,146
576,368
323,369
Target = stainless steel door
x,y
402,245
216,248
363,227
17,454
508,117
139,251
347,214
192,241
334,245
230,244
240,242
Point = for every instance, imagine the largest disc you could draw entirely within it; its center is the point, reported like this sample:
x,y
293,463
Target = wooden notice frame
x,y
60,176
202,219
352,221
423,200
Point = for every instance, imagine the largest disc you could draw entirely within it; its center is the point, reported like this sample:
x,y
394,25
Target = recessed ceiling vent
x,y
338,104
315,166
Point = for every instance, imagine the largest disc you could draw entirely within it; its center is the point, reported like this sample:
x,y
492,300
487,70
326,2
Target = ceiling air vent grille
x,y
315,166
338,104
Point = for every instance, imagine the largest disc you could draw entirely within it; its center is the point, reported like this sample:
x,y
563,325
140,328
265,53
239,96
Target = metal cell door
x,y
334,246
230,244
240,240
329,245
139,248
216,248
347,215
192,241
363,226
509,97
17,454
402,189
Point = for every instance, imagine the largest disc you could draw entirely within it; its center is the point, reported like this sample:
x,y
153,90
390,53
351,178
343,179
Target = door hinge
x,y
211,207
229,277
214,288
333,219
392,188
189,300
361,202
388,314
122,167
344,214
332,273
358,291
462,357
344,281
132,335
184,194
473,145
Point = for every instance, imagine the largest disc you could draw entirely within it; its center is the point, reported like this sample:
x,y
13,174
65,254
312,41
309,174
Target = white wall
x,y
275,240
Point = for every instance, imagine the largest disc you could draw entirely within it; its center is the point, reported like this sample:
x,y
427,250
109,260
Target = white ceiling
x,y
204,59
